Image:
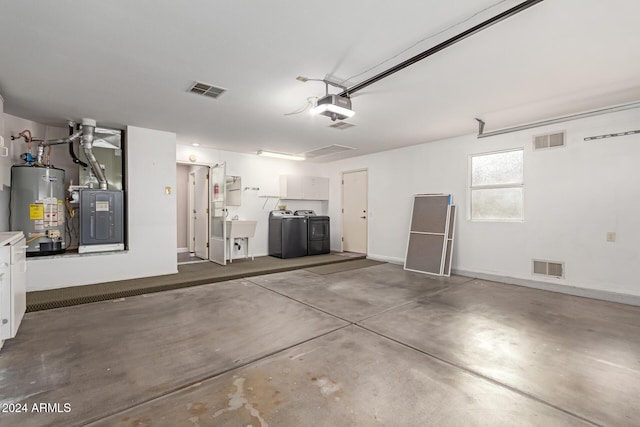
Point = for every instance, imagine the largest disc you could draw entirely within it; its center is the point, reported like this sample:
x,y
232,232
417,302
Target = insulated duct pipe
x,y
88,127
445,44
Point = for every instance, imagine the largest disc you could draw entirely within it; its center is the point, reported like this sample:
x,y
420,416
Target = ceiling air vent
x,y
341,125
548,268
549,140
326,151
207,90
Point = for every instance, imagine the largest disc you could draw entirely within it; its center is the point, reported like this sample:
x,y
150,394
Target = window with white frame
x,y
497,185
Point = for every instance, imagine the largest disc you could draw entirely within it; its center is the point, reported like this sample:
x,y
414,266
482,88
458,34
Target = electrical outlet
x,y
611,236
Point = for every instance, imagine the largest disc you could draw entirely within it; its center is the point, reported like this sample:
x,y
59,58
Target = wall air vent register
x,y
549,140
548,268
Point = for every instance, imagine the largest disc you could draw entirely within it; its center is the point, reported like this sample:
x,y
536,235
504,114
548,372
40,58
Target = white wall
x,y
5,164
573,197
151,218
261,172
4,161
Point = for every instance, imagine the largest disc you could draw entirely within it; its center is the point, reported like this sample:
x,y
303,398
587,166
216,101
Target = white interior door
x,y
191,187
354,211
200,212
218,215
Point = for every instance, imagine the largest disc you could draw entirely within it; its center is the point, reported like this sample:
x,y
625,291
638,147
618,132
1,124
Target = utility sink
x,y
240,229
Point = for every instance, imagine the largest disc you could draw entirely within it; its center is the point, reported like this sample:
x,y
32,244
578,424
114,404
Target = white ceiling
x,y
126,62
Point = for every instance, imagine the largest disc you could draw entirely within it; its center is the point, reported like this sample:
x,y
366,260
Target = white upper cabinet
x,y
315,188
304,187
291,187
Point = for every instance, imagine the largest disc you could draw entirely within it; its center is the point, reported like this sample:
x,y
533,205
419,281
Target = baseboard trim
x,y
554,287
183,250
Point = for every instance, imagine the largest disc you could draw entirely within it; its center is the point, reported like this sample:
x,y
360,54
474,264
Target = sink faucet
x,y
234,217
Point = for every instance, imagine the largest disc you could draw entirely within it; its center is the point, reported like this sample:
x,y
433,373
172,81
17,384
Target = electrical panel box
x,y
101,220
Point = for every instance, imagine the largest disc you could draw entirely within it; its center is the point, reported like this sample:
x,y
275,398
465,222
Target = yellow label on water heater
x,y
36,211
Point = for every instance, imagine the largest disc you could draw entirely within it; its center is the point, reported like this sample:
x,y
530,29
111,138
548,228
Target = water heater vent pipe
x,y
86,132
88,127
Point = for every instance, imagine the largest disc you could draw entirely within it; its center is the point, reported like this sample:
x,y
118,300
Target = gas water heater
x,y
37,207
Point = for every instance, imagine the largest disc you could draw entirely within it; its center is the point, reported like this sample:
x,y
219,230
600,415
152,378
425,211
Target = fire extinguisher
x,y
216,190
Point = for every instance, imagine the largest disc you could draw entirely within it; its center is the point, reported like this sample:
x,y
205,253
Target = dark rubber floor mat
x,y
188,275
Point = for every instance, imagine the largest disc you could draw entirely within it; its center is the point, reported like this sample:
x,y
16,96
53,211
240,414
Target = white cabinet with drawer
x,y
13,283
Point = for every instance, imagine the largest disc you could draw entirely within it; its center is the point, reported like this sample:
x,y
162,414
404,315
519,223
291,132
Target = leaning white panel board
x,y
449,250
430,242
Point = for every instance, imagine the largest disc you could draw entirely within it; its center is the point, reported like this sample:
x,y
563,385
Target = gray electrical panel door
x,y
101,217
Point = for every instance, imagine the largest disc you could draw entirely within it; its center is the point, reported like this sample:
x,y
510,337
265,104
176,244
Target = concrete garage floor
x,y
366,347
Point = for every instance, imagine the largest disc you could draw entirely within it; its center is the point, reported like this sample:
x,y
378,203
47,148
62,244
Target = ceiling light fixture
x,y
195,144
279,155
